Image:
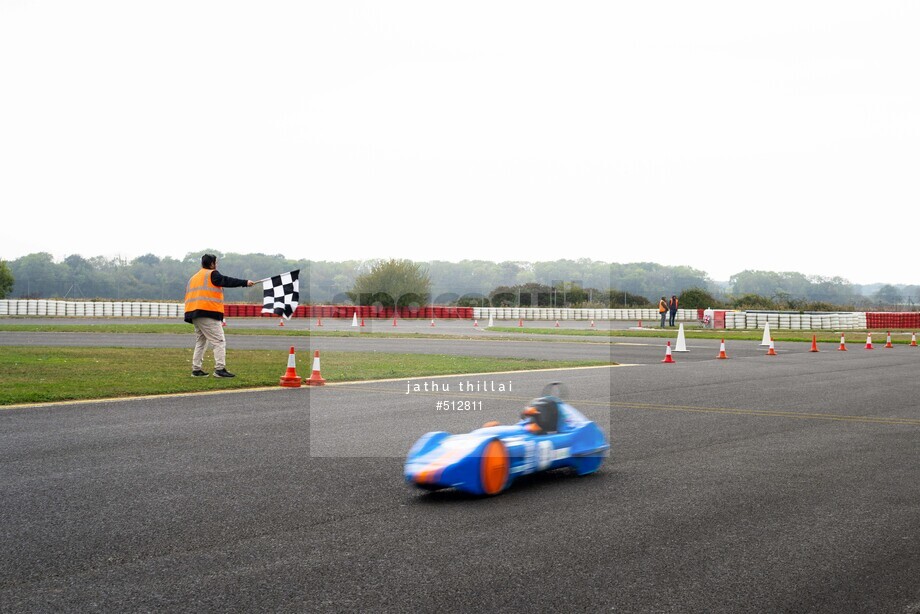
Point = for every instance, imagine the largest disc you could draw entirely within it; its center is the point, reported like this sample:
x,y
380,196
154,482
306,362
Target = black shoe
x,y
199,373
223,373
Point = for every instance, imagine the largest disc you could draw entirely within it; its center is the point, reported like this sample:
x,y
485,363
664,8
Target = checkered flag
x,y
281,293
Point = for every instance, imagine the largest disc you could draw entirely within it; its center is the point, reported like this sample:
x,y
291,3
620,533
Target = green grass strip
x,y
186,329
39,375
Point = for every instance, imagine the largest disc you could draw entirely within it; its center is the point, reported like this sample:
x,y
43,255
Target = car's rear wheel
x,y
494,467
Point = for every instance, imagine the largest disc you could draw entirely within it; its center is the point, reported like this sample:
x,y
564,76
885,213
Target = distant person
x,y
204,309
663,309
672,309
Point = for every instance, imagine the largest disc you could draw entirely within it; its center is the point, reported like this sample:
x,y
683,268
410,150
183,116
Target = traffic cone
x,y
667,355
814,344
681,340
432,321
557,323
354,319
888,341
722,350
315,378
869,341
394,320
223,323
362,322
281,321
913,340
592,324
319,321
521,323
843,343
772,350
640,324
290,378
767,338
475,323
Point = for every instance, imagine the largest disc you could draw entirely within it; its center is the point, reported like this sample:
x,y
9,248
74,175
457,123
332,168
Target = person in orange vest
x,y
204,309
662,310
672,309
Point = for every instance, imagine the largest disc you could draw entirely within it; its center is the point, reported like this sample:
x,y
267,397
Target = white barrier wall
x,y
733,319
91,309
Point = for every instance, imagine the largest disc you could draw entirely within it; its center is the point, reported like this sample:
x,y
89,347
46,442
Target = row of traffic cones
x,y
669,358
290,379
771,351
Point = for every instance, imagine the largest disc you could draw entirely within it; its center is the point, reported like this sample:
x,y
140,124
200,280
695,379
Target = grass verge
x,y
186,329
40,375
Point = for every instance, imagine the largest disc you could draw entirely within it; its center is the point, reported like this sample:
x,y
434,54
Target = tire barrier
x,y
722,318
351,311
910,319
90,309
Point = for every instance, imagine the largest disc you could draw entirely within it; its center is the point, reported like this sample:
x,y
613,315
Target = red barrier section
x,y
908,319
241,310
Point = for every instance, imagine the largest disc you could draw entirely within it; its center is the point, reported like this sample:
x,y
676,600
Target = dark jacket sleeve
x,y
223,281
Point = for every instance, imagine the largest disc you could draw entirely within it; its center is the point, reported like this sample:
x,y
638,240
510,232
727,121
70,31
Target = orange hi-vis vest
x,y
202,295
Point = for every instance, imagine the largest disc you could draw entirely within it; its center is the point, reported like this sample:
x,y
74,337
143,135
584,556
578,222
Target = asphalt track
x,y
783,483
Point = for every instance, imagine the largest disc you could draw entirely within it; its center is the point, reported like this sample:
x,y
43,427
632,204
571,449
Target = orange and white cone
x,y
319,321
475,323
521,323
432,322
869,341
290,378
667,356
843,343
557,323
281,321
772,350
913,340
362,322
315,378
814,343
722,350
592,324
394,320
888,341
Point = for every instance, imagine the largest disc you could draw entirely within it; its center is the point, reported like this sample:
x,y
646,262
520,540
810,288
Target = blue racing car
x,y
551,434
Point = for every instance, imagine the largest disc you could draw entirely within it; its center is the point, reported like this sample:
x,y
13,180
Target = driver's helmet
x,y
541,415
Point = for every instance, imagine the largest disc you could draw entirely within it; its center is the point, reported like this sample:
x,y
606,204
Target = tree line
x,y
469,282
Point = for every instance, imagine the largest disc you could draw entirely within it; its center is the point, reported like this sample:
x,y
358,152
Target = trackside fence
x,y
717,318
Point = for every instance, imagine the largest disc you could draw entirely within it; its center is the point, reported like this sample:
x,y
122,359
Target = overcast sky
x,y
725,136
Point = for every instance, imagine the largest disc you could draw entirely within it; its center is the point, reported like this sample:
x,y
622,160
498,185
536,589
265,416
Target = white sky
x,y
725,136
